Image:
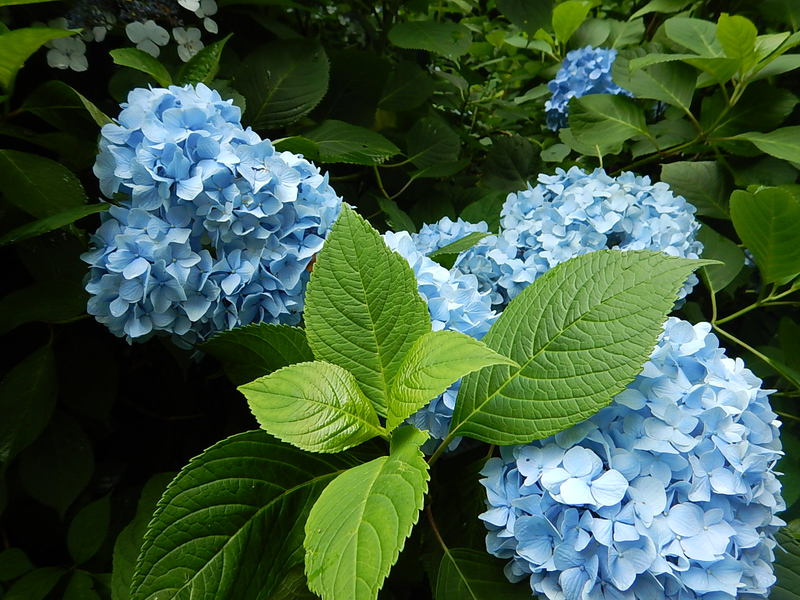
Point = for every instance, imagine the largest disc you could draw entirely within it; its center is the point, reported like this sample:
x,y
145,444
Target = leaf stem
x,y
442,447
432,521
746,346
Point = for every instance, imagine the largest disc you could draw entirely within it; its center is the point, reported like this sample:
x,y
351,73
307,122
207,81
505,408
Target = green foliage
x,y
142,61
448,39
466,574
580,334
203,66
446,255
720,248
599,123
50,223
340,142
88,530
360,522
702,183
17,46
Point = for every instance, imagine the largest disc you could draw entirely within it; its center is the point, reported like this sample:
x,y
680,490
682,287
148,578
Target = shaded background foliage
x,y
419,110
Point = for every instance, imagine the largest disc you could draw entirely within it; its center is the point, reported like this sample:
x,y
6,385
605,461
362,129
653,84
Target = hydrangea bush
x,y
540,342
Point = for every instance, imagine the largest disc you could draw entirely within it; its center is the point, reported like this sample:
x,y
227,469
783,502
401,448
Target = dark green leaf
x,y
282,81
697,35
14,563
56,468
81,586
340,142
203,66
782,143
142,61
466,574
768,224
448,39
528,16
299,145
703,183
431,141
35,585
604,121
63,107
27,397
447,255
670,82
231,523
581,332
17,45
88,530
718,247
511,163
787,564
407,88
50,301
255,350
396,218
50,223
363,311
39,186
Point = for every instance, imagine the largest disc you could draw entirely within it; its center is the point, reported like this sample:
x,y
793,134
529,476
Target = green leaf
x,y
359,524
255,350
17,45
14,563
777,66
447,255
81,586
448,39
737,36
203,66
363,311
27,397
787,564
396,218
35,585
431,141
703,183
568,16
660,6
56,221
768,223
782,143
39,186
316,406
50,301
528,16
129,541
282,81
466,574
511,163
142,61
697,35
19,2
407,87
59,104
88,530
670,82
718,247
581,333
231,523
604,121
340,142
299,145
59,465
436,361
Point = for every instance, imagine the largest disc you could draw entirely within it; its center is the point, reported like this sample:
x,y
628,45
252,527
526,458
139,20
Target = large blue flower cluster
x,y
572,213
666,493
454,302
214,228
584,71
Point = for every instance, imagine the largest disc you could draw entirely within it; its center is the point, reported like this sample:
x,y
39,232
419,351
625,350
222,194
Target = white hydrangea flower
x,y
68,53
147,36
189,42
205,10
191,5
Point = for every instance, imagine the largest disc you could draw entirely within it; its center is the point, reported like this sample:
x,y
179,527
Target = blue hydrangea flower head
x,y
214,228
669,492
584,71
438,235
572,213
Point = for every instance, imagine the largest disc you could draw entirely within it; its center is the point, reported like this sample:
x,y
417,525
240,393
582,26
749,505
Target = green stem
x,y
738,313
435,529
746,346
442,447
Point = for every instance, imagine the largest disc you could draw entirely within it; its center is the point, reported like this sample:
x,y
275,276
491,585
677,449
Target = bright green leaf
x,y
142,61
39,186
697,35
768,224
17,45
359,524
466,574
604,121
51,223
363,311
255,350
88,530
435,361
203,66
703,183
781,64
737,35
447,255
581,333
448,39
27,397
660,6
316,406
528,16
282,81
231,523
782,143
431,141
129,541
568,16
718,247
340,142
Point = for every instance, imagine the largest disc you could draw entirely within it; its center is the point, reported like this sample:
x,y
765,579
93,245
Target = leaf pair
x,y
376,354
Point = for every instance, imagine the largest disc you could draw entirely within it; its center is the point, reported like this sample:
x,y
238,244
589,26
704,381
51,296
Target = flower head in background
x,y
148,36
215,228
572,213
669,492
432,237
584,71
